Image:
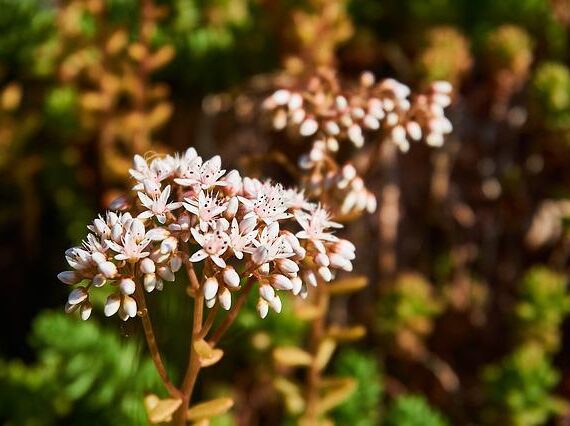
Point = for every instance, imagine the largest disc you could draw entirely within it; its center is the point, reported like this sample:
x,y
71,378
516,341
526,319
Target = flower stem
x,y
232,314
152,345
313,378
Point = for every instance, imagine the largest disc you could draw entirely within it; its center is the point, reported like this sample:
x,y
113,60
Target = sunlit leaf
x,y
160,410
292,356
209,409
347,285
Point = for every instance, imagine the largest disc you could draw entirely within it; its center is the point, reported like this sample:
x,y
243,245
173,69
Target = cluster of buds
x,y
188,212
325,111
330,114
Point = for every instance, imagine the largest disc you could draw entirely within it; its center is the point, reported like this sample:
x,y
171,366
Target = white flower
x,y
157,206
132,244
242,235
203,175
314,225
214,245
270,204
207,207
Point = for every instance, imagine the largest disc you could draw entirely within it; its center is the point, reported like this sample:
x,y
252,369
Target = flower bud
x,y
69,277
129,305
77,296
108,269
297,285
127,286
166,273
175,263
211,303
267,292
310,278
112,305
98,257
264,269
210,288
322,259
325,273
159,284
225,299
99,280
275,304
149,282
287,266
147,266
280,282
85,310
262,308
340,262
231,277
308,127
168,245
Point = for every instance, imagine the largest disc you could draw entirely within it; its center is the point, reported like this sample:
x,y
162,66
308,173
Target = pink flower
x,y
270,204
314,225
203,175
157,206
242,235
207,207
214,245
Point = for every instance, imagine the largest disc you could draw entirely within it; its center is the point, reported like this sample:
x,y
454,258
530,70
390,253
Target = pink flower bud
x,y
267,292
108,269
149,282
85,310
112,305
210,288
77,296
231,277
225,298
287,266
69,277
147,266
280,282
262,308
127,286
129,305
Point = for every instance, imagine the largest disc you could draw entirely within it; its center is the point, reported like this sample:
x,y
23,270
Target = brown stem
x,y
209,321
193,361
232,314
313,379
152,345
388,213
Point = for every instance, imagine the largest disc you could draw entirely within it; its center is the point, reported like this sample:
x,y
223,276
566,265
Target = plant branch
x,y
232,314
153,346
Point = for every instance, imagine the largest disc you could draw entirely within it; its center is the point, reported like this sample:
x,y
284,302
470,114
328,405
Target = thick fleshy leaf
x,y
208,355
346,334
347,285
294,401
160,410
325,352
209,409
336,395
292,356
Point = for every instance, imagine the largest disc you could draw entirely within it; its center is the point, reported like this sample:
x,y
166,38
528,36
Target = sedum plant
x,y
227,233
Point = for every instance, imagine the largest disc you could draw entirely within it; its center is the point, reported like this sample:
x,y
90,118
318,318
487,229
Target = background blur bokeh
x,y
468,329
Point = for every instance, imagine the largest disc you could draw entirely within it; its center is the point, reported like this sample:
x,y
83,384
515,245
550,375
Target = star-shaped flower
x,y
214,244
157,206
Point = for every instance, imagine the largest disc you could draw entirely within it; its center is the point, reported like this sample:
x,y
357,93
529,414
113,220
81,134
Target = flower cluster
x,y
330,114
190,213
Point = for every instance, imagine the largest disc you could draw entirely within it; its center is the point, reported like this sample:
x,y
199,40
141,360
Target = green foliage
x,y
362,408
519,388
83,375
409,304
445,55
551,95
543,304
23,24
412,410
508,48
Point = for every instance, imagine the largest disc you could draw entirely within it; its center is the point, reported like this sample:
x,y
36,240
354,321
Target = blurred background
x,y
468,327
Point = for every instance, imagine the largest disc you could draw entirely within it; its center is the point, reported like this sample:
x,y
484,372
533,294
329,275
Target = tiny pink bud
x,y
231,277
127,286
280,282
112,305
77,296
210,288
69,277
262,308
147,266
